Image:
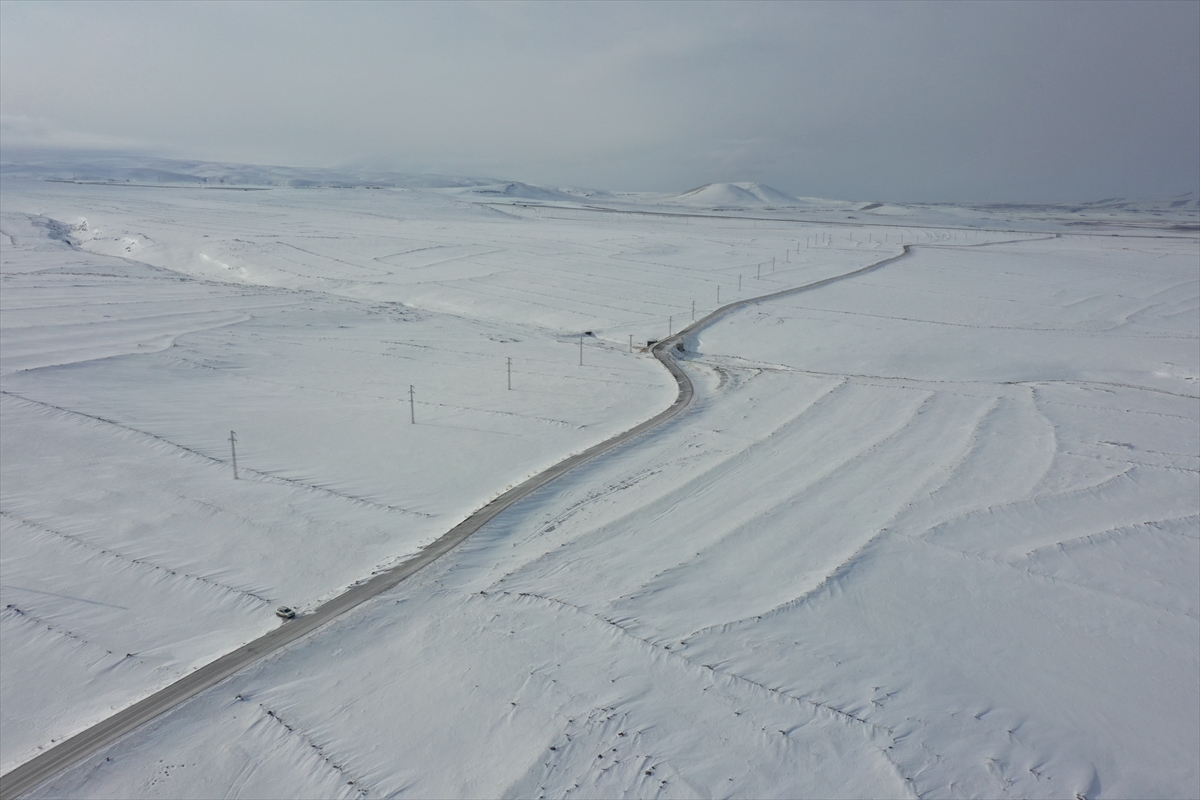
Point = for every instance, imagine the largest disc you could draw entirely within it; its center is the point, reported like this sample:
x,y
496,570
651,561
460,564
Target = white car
x,y
285,612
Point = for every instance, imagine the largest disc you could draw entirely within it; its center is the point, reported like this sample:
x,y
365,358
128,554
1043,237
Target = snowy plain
x,y
929,531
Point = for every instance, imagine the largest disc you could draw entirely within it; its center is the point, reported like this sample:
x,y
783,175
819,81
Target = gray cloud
x,y
938,101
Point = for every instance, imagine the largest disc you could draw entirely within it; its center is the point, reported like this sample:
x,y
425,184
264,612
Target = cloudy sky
x,y
894,101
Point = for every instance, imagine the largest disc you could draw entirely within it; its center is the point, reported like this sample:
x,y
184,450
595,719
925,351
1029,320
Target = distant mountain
x,y
132,169
1184,202
149,171
734,195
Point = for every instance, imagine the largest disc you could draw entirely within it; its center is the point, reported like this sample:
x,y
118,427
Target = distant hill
x,y
731,195
516,190
1184,202
1181,212
133,169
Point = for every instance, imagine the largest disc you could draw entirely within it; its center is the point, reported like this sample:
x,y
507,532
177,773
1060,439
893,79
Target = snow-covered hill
x,y
734,195
512,190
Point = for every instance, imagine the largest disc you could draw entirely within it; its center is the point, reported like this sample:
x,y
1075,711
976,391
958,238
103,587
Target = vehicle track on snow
x,y
45,766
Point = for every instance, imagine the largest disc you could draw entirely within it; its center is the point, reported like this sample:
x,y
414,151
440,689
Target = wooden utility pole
x,y
670,328
581,351
412,405
233,449
510,374
693,311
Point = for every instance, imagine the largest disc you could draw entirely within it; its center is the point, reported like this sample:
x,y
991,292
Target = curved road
x,y
87,742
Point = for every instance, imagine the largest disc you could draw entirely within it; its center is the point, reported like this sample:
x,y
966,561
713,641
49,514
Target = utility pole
x,y
581,351
718,294
412,405
631,342
772,265
739,283
233,449
693,311
670,326
510,374
759,275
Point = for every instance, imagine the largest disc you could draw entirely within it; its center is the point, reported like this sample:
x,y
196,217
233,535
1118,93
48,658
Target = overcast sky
x,y
895,101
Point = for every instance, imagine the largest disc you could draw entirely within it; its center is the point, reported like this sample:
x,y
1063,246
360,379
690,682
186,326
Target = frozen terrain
x,y
929,531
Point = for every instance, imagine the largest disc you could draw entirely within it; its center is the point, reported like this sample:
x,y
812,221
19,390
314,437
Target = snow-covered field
x,y
933,530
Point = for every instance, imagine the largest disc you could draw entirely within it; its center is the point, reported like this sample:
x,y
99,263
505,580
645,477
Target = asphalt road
x,y
48,764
